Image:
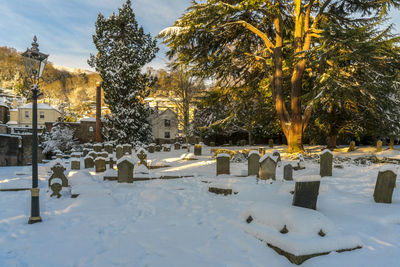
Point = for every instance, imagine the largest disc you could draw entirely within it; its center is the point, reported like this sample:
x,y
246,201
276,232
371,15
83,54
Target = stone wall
x,y
10,150
84,131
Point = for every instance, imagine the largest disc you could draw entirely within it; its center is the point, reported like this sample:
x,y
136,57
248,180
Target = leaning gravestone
x,y
271,143
326,162
88,162
58,173
151,148
75,164
288,172
97,147
223,164
384,186
125,169
306,192
253,164
109,148
352,146
127,149
267,167
197,150
100,164
119,151
379,146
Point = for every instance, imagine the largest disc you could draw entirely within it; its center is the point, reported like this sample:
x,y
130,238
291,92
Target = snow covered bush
x,y
60,138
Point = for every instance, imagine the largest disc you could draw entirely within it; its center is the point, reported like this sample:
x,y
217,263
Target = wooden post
x,y
98,113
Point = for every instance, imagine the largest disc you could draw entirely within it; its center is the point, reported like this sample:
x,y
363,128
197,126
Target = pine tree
x,y
123,49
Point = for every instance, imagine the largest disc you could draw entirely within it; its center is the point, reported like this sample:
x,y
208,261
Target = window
x,y
41,114
91,129
167,123
167,135
26,114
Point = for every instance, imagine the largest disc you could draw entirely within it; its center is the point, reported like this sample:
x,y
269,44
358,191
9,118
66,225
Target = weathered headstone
x,y
352,146
253,164
58,173
391,142
125,169
300,163
271,143
177,146
384,186
267,167
288,172
197,150
100,164
97,147
326,163
92,154
306,192
75,164
127,149
85,152
379,146
151,148
158,148
119,151
223,164
88,162
109,148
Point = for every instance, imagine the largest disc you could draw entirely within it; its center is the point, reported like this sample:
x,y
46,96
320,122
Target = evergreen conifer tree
x,y
123,49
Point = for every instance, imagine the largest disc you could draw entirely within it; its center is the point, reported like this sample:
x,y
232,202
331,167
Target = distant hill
x,y
74,88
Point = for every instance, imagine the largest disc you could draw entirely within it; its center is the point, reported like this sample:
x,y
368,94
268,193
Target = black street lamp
x,y
34,63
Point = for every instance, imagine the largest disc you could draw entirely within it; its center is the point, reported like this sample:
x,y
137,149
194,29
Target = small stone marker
x,y
92,154
58,173
119,151
127,149
288,172
384,186
276,154
167,148
88,162
326,162
85,152
125,169
306,192
197,150
75,164
158,148
300,163
379,146
97,147
100,164
253,164
267,167
261,151
177,146
151,148
109,148
271,143
352,146
223,164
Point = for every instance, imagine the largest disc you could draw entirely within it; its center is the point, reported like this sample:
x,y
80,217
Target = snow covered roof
x,y
39,106
12,123
88,119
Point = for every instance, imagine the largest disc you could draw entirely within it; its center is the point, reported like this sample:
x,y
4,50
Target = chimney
x,y
98,113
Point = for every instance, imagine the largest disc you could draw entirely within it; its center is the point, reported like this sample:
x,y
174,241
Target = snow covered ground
x,y
178,222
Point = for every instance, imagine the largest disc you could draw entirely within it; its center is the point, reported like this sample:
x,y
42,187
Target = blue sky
x,y
64,27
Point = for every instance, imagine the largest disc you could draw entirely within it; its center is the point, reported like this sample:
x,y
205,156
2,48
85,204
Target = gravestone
x,y
391,142
103,154
384,186
271,143
88,162
76,154
85,152
92,154
352,146
158,148
300,163
151,148
306,192
59,156
261,151
97,147
253,164
127,149
212,144
223,164
276,154
142,156
75,164
197,150
119,151
167,148
58,173
379,146
125,170
100,164
326,162
177,146
109,148
267,167
288,172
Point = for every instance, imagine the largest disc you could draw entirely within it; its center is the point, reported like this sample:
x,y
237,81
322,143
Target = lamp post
x,y
34,62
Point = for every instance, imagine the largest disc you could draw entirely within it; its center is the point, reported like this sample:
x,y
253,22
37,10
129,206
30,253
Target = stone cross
x,y
384,186
306,193
267,167
288,172
379,146
109,148
119,151
223,164
326,159
88,162
58,172
125,170
100,164
197,150
253,164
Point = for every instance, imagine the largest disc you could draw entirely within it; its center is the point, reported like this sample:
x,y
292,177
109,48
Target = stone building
x,y
84,130
164,126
